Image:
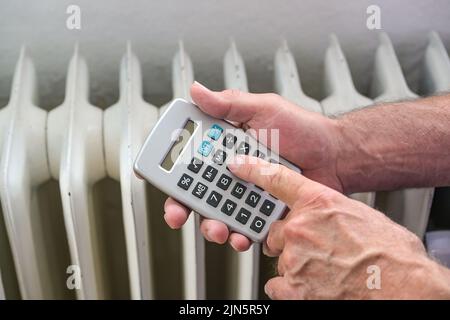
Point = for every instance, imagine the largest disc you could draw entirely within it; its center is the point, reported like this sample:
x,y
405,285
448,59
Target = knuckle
x,y
231,94
294,228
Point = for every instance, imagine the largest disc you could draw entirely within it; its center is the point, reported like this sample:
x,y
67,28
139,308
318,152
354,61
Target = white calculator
x,y
186,156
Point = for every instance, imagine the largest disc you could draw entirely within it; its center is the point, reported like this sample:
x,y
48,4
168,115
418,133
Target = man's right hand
x,y
307,139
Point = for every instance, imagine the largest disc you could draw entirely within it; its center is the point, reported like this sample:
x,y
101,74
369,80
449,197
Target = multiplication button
x,y
267,207
214,199
257,224
185,181
244,148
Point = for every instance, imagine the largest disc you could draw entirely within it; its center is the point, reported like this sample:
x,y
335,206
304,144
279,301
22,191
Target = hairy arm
x,y
395,145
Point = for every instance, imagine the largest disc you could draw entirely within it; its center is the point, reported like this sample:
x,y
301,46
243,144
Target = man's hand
x,y
307,139
327,242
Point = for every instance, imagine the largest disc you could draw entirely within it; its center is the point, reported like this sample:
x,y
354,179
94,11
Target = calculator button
x,y
209,173
244,148
219,157
228,207
243,216
195,165
229,140
214,199
215,132
205,148
199,190
238,190
253,199
224,182
267,207
185,181
257,224
259,154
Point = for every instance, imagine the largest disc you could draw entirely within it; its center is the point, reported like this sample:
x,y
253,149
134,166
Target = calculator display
x,y
178,145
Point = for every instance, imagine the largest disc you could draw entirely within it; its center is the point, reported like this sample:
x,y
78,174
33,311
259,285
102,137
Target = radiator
x,y
70,201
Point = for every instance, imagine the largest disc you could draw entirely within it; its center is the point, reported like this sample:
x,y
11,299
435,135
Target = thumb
x,y
233,104
285,184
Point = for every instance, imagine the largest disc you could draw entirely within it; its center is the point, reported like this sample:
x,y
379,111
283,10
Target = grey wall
x,y
154,27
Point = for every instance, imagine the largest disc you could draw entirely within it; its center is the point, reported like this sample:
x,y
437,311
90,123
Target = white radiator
x,y
70,200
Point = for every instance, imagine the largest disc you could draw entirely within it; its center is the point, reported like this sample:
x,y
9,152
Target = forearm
x,y
395,145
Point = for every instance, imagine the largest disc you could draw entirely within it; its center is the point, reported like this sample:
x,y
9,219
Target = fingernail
x,y
208,235
200,85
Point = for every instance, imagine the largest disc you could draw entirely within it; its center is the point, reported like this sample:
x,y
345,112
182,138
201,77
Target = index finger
x,y
285,184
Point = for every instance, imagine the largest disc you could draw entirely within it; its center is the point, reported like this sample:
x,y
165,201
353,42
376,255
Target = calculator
x,y
186,156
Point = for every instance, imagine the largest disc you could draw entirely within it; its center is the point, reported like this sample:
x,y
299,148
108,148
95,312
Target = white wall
x,y
154,28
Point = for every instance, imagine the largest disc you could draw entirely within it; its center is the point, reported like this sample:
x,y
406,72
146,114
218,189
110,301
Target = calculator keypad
x,y
214,199
199,190
210,173
245,203
228,207
253,199
224,182
195,165
238,190
185,181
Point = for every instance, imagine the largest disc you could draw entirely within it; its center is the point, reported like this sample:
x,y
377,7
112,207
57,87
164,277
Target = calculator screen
x,y
178,145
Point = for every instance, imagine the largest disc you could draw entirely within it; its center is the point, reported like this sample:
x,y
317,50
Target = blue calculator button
x,y
215,132
205,148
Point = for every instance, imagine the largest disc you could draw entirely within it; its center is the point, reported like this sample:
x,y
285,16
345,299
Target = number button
x,y
228,207
210,173
199,190
244,148
257,224
243,216
238,190
214,199
224,182
253,199
205,148
259,154
215,132
219,157
185,181
229,140
267,207
195,165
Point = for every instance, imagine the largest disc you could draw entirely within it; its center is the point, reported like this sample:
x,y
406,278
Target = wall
x,y
154,27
